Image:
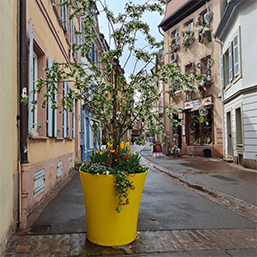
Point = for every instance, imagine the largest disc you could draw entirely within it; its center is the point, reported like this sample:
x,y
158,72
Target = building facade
x,y
239,81
8,114
188,40
49,138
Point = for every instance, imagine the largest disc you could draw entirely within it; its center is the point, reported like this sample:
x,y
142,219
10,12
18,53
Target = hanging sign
x,y
198,103
180,114
183,130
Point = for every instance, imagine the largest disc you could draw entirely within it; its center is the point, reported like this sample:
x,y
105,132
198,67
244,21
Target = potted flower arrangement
x,y
112,184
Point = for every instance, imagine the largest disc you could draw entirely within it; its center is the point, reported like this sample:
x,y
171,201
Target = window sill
x,y
38,138
59,139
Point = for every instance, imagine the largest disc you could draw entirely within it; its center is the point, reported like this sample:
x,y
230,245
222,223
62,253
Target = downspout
x,y
18,120
23,116
222,99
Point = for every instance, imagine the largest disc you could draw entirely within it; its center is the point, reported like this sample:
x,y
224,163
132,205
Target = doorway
x,y
229,135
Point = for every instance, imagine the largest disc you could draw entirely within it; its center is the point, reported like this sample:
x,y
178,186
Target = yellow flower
x,y
96,151
112,151
109,144
122,146
127,143
101,152
105,150
101,142
130,149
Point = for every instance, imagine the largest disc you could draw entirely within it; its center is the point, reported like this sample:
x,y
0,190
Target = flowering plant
x,y
174,150
120,164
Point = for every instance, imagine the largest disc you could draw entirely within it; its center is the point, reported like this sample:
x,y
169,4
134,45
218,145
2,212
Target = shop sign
x,y
198,103
180,114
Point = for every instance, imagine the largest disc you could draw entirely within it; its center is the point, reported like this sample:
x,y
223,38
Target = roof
x,y
181,13
228,17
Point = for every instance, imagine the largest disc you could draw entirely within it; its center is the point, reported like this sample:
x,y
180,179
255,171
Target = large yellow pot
x,y
104,225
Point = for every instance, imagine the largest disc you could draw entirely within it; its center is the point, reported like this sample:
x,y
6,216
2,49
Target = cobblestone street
x,y
146,243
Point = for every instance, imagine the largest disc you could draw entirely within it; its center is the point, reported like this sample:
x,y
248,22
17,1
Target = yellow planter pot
x,y
104,225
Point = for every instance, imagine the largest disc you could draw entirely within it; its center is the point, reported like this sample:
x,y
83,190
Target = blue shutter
x,y
71,30
94,51
73,119
90,54
82,30
65,112
49,104
55,114
64,16
30,114
230,63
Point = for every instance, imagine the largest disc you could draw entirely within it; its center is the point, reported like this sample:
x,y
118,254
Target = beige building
x,y
188,40
8,115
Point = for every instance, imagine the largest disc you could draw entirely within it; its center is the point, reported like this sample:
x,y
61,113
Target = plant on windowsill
x,y
188,38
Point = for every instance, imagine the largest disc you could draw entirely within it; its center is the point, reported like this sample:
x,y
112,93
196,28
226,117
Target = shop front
x,y
198,135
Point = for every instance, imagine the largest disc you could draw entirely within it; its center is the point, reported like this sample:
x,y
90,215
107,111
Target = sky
x,y
153,19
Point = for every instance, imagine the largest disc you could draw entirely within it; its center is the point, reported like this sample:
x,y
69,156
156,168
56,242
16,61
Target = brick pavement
x,y
147,242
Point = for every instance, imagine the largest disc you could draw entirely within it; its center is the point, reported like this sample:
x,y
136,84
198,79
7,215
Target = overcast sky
x,y
153,19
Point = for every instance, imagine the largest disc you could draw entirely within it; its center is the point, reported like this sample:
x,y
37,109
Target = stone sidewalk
x,y
149,243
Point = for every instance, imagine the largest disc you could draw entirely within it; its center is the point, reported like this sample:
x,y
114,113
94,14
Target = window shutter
x,y
90,54
73,119
222,71
78,52
230,62
97,58
64,16
82,30
94,51
71,30
55,114
49,104
236,54
64,112
68,116
30,114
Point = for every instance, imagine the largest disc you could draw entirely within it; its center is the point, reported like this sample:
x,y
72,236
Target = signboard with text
x,y
198,103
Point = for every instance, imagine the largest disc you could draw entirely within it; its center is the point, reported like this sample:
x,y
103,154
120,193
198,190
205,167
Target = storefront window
x,y
200,128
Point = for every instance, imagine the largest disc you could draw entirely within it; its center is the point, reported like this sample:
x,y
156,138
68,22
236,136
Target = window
x,y
230,61
190,25
239,126
205,68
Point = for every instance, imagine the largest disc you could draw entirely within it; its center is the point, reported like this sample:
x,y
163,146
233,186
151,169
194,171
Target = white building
x,y
237,36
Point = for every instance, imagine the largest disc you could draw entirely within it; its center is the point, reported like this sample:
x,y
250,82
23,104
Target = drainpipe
x,y
222,98
23,116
